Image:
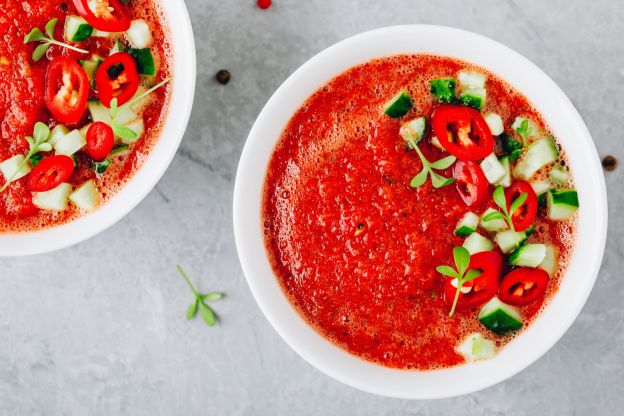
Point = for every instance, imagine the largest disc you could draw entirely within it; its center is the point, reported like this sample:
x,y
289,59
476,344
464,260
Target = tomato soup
x,y
356,236
61,64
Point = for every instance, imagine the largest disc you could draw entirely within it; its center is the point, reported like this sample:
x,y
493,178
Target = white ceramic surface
x,y
183,90
569,130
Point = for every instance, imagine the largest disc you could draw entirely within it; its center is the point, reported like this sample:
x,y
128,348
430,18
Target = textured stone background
x,y
99,328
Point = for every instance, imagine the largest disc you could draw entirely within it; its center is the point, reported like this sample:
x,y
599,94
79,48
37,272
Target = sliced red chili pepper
x,y
104,15
117,77
50,173
483,288
471,183
67,90
524,216
523,286
100,141
462,131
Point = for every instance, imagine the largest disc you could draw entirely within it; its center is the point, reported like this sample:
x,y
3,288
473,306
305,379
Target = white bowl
x,y
147,176
569,130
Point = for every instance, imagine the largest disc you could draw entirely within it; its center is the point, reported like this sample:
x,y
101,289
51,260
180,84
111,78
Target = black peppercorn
x,y
609,163
223,77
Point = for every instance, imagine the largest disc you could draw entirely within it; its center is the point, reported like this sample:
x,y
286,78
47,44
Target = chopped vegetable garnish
x,y
200,303
37,35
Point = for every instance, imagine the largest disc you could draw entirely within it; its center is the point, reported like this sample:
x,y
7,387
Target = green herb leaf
x,y
41,132
515,155
192,310
444,163
518,203
447,271
45,147
499,198
123,132
212,296
471,275
420,179
494,216
40,51
35,35
524,130
49,28
31,141
207,314
439,181
113,108
462,259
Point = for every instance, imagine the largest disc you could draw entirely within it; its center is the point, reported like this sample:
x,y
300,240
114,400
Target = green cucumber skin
x,y
399,106
83,33
144,61
564,196
444,89
511,146
464,231
473,101
500,323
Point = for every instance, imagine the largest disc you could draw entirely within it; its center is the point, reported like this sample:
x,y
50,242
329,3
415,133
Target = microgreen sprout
x,y
38,143
461,257
501,201
437,180
200,302
36,35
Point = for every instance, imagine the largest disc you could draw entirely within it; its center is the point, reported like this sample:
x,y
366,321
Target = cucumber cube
x,y
549,265
492,225
70,143
443,89
533,130
473,97
559,175
493,169
56,133
499,317
495,123
86,196
139,34
476,347
509,240
99,112
529,255
12,168
541,153
505,182
414,130
471,80
562,204
399,105
53,200
138,128
77,29
467,225
476,243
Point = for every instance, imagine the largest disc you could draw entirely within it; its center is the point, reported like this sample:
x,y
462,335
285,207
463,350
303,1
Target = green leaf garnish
x,y
36,35
199,303
123,132
461,256
437,180
524,130
38,143
501,201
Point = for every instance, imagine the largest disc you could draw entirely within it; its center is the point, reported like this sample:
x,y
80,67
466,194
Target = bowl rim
x,y
147,176
568,126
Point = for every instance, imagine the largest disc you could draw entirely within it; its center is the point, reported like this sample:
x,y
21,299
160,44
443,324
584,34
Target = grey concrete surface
x,y
99,329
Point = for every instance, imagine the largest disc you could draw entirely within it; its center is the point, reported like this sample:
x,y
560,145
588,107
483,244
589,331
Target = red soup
x,y
84,88
418,212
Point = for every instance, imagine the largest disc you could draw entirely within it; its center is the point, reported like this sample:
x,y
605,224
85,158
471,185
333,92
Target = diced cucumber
x,y
562,203
70,143
443,89
529,255
511,146
492,168
473,97
476,243
506,179
86,196
492,225
139,34
509,240
101,34
533,130
125,115
399,105
467,225
99,112
540,187
84,130
144,61
549,265
471,80
538,155
499,317
77,29
495,123
89,67
119,148
56,133
136,126
137,106
11,167
559,175
414,130
97,58
436,143
476,347
53,200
